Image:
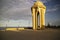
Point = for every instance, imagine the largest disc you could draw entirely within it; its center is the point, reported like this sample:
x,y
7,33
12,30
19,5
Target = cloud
x,y
53,8
15,23
45,1
17,12
13,9
17,9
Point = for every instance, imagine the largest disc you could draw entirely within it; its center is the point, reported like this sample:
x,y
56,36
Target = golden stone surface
x,y
38,9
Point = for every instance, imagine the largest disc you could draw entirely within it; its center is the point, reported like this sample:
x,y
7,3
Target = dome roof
x,y
38,3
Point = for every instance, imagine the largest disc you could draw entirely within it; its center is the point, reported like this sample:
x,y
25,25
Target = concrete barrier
x,y
11,29
20,28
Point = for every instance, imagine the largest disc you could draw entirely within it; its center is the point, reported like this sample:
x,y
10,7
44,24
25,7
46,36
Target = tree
x,y
48,25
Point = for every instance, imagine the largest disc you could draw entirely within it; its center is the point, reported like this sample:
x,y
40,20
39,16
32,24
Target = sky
x,y
14,13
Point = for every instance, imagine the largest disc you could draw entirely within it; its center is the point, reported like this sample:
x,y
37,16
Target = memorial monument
x,y
38,9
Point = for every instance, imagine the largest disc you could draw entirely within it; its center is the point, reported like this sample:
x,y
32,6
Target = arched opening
x,y
38,20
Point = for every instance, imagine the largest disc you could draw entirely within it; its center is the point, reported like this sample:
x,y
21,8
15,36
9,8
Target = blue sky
x,y
18,12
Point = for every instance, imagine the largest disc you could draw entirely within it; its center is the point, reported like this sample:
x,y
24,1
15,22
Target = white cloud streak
x,y
52,9
45,1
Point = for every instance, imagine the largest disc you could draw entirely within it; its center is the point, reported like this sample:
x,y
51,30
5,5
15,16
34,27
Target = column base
x,y
42,27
